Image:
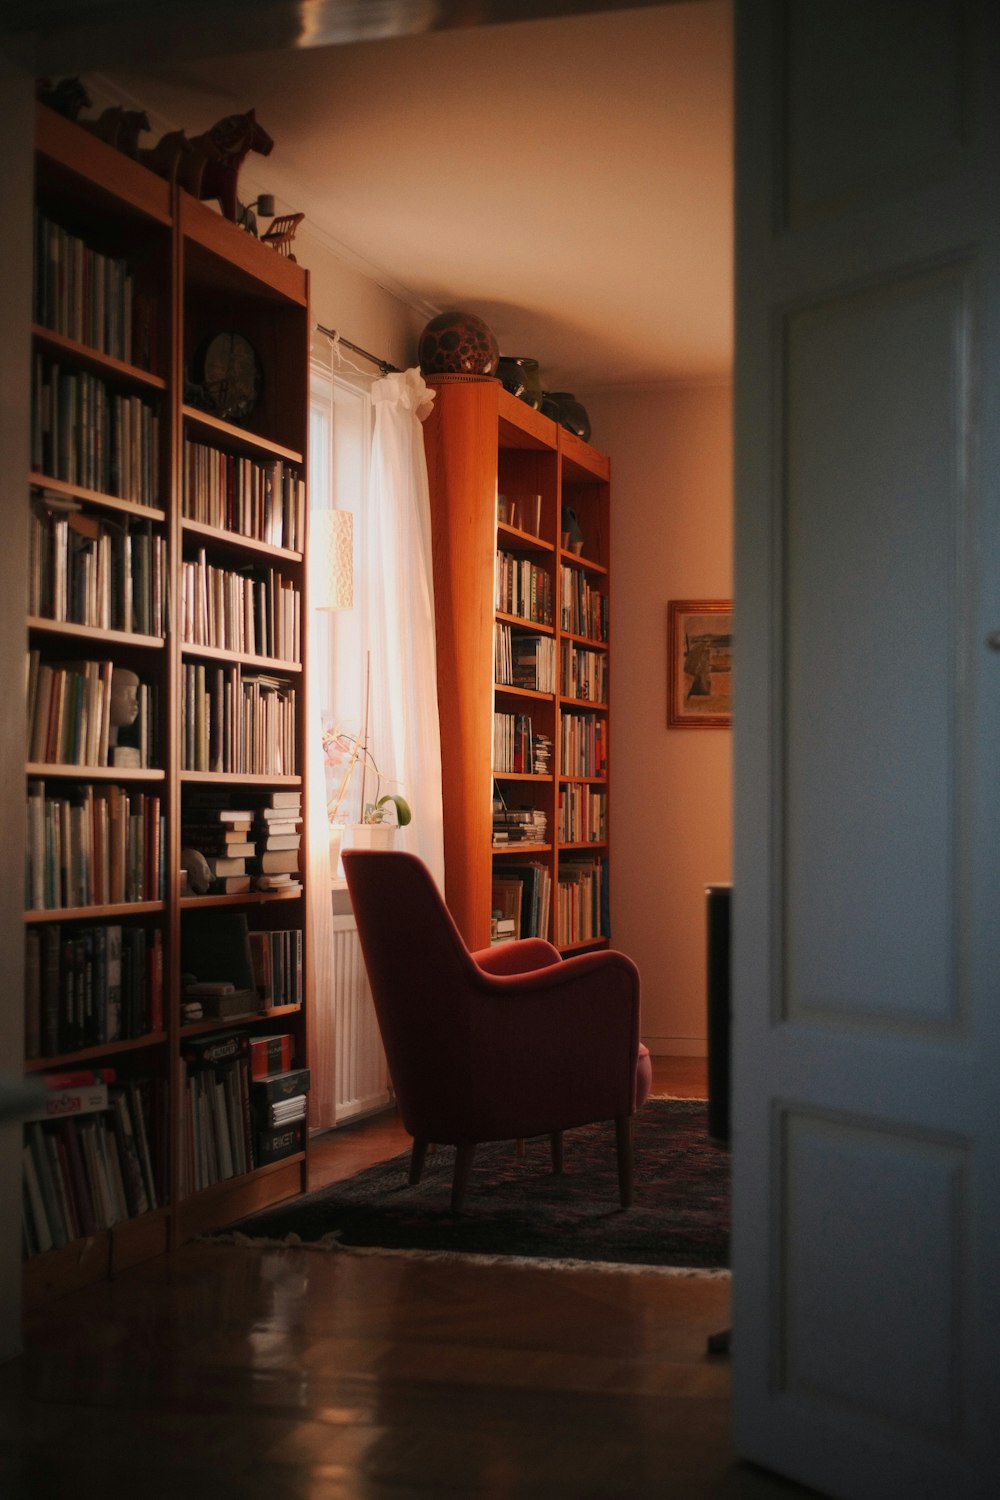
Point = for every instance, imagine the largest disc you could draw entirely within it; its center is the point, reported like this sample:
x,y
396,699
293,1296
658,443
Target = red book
x,y
271,1054
80,1078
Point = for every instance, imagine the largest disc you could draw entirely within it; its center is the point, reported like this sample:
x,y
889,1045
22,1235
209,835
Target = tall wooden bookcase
x,y
502,477
119,406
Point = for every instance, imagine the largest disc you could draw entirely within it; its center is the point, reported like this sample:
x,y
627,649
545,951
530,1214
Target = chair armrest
x,y
557,1044
520,957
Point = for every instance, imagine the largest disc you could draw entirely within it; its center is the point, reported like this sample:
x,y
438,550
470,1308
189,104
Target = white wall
x,y
344,299
671,538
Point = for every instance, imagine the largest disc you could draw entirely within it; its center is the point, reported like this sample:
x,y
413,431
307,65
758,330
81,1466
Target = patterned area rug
x,y
517,1208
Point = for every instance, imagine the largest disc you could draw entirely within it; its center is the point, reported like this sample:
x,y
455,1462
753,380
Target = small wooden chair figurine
x,y
281,233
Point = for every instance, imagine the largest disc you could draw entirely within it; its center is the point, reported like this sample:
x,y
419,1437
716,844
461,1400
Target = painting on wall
x,y
699,664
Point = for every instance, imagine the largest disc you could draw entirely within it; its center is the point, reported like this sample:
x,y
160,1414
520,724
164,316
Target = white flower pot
x,y
370,836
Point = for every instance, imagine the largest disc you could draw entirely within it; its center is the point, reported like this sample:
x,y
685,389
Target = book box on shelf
x,y
523,680
169,379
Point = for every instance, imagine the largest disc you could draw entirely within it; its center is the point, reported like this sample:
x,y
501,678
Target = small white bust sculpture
x,y
124,711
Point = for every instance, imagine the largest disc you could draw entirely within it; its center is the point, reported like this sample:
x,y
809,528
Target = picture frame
x,y
699,664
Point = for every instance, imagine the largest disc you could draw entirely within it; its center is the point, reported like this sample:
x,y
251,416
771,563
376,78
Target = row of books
x,y
582,814
232,1120
237,721
69,714
523,589
93,845
86,433
583,609
256,842
265,501
80,293
583,745
229,970
526,661
584,674
89,985
89,1161
532,905
518,748
257,615
581,902
89,570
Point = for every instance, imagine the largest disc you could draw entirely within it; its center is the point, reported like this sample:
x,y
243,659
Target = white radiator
x,y
362,1075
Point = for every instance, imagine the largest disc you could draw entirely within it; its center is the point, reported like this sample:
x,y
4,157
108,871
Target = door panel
x,y
872,517
866,937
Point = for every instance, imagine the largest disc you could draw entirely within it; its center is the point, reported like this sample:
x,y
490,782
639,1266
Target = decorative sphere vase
x,y
458,343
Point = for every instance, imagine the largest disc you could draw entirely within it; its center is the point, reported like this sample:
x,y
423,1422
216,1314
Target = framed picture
x,y
699,664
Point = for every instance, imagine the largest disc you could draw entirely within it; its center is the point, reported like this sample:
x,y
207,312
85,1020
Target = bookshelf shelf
x,y
262,663
51,770
238,437
509,689
245,544
535,626
96,499
585,703
134,278
492,460
83,1055
526,541
575,560
247,898
85,355
72,631
95,913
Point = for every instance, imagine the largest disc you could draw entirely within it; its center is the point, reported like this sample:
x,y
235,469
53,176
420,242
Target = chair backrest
x,y
421,975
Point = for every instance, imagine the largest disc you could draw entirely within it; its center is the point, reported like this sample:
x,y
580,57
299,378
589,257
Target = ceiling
x,y
568,179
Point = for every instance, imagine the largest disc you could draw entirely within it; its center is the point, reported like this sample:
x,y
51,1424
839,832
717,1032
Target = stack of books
x,y
279,1104
516,825
277,836
222,834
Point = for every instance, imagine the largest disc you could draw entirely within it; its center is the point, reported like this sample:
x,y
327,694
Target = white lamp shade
x,y
332,535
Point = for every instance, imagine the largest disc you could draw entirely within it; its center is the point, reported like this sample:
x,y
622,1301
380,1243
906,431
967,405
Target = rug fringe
x,y
331,1242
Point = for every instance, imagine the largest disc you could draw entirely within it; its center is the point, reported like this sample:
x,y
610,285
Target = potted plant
x,y
380,816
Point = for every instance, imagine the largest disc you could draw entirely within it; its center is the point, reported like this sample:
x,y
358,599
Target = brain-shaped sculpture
x,y
458,343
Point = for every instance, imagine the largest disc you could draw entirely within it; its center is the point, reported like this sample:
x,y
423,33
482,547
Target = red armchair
x,y
503,1044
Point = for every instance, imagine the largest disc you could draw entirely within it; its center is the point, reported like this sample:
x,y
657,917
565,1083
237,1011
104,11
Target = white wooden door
x,y
866,1108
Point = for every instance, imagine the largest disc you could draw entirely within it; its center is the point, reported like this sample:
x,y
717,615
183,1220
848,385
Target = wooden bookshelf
x,y
133,279
500,474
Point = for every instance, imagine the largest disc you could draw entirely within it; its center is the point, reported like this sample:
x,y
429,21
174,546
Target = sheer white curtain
x,y
404,730
376,470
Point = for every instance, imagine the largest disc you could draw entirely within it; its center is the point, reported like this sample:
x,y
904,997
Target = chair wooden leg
x,y
556,1142
520,1148
460,1180
623,1130
417,1161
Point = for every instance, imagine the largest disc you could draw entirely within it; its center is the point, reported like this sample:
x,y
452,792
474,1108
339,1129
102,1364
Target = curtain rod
x,y
383,364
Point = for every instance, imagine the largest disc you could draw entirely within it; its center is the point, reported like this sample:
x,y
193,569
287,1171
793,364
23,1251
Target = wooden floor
x,y
300,1375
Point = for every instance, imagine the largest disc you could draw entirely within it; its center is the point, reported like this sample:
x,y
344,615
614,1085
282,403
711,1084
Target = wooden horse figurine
x,y
166,156
67,97
220,152
120,128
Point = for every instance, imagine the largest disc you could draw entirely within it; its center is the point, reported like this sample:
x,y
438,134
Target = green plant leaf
x,y
403,813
